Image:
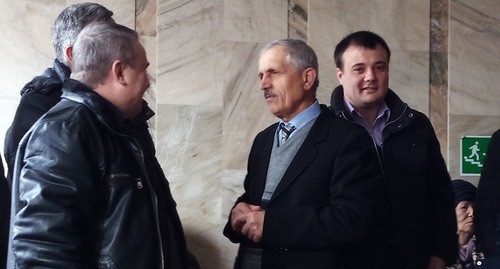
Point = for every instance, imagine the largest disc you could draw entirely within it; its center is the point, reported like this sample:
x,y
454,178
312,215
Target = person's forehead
x,y
274,55
353,54
360,49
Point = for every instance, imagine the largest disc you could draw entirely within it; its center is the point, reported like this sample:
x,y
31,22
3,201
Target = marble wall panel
x,y
322,39
404,24
474,58
189,150
26,43
298,19
146,15
190,52
438,70
205,91
409,78
255,21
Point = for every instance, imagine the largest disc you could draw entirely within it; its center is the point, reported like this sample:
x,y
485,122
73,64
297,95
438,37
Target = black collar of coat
x,y
394,103
105,111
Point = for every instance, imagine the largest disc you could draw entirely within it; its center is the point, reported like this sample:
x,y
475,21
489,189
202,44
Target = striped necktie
x,y
286,132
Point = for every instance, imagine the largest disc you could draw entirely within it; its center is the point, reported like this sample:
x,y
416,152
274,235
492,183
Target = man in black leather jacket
x,y
44,91
88,191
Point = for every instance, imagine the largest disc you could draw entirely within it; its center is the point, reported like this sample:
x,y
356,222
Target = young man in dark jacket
x,y
88,191
44,91
414,216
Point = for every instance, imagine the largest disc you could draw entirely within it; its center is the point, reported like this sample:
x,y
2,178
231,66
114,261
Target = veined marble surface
x,y
205,91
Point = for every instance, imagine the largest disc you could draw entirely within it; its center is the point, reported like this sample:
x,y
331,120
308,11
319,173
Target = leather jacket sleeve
x,y
54,183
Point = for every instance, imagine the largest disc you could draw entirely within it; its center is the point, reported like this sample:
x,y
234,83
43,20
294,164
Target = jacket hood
x,y
51,79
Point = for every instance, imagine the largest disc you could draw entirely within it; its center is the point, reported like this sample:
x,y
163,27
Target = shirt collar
x,y
383,112
305,116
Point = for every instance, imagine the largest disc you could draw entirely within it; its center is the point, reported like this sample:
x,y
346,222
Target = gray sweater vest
x,y
281,157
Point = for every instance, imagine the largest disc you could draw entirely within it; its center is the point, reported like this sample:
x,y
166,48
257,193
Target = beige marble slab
x,y
190,53
474,58
409,78
189,150
404,24
321,39
255,21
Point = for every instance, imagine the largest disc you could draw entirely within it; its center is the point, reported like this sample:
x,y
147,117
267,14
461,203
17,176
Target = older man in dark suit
x,y
309,176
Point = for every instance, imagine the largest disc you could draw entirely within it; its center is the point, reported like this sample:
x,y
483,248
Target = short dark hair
x,y
365,39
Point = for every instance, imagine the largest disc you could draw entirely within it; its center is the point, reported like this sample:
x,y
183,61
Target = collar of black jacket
x,y
395,104
105,111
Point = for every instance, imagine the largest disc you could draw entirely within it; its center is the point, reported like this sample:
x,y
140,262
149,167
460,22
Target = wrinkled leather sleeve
x,y
52,183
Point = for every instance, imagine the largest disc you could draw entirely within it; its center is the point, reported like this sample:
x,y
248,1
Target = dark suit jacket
x,y
322,201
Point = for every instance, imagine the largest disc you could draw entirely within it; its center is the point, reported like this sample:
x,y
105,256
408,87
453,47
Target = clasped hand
x,y
249,220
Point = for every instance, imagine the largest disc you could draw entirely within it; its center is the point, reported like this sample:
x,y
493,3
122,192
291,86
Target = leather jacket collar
x,y
105,111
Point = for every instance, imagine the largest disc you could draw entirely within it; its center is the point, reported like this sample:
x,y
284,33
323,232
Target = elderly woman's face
x,y
465,216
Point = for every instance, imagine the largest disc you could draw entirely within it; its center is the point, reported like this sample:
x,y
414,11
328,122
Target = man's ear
x,y
69,55
117,69
340,75
309,77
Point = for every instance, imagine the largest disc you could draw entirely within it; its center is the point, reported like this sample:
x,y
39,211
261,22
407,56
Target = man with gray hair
x,y
44,91
309,175
88,191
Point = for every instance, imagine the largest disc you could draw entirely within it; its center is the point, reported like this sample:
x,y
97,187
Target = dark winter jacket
x,y
37,97
89,193
414,216
487,213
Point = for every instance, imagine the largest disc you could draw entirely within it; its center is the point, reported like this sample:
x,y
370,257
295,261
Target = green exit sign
x,y
473,150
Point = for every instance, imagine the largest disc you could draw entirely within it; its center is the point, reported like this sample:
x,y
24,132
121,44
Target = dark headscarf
x,y
464,191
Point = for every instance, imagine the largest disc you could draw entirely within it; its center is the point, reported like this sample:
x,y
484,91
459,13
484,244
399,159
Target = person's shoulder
x,y
69,112
342,124
413,117
44,84
496,135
